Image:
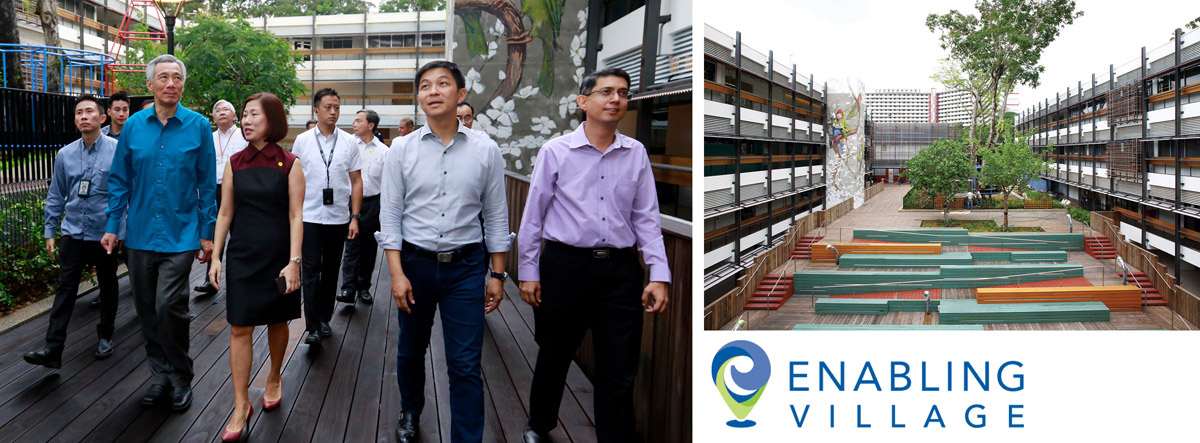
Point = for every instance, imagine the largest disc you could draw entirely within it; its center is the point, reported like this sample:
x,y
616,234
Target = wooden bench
x,y
1124,298
813,327
822,255
955,312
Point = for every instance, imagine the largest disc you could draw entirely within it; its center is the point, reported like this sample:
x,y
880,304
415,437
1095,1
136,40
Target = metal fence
x,y
33,127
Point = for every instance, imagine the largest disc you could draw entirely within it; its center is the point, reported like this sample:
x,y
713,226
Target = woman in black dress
x,y
261,206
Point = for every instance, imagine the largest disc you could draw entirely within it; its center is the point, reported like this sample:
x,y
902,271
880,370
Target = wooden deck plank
x,y
346,391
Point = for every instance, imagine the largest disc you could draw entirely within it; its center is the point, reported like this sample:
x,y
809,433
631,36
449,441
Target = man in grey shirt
x,y
429,227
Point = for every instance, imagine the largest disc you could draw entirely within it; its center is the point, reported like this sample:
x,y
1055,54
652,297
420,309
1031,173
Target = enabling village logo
x,y
741,390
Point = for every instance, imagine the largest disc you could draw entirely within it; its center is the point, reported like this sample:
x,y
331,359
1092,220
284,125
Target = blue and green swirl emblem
x,y
741,390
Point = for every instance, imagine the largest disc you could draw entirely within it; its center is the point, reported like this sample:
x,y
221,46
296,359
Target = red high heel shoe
x,y
235,436
269,405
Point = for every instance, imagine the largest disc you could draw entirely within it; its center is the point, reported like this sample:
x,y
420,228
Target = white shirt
x,y
343,158
432,194
226,144
372,155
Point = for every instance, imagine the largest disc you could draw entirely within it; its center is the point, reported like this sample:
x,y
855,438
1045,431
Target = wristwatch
x,y
503,276
295,259
356,216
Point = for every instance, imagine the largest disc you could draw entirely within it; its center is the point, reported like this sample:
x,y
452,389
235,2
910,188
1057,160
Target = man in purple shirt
x,y
592,199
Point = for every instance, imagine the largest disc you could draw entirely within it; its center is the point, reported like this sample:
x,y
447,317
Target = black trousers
x,y
322,255
358,262
581,292
73,256
160,294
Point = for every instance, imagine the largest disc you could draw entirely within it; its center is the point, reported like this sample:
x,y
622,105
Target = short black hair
x,y
468,105
589,81
120,96
87,98
454,71
322,94
372,118
311,121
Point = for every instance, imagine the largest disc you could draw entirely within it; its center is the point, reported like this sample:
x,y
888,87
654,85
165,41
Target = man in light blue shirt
x,y
77,198
436,185
164,177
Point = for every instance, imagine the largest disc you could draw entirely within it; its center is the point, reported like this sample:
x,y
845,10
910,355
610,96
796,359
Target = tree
x,y
1010,165
8,34
47,11
233,60
999,50
942,168
412,5
226,60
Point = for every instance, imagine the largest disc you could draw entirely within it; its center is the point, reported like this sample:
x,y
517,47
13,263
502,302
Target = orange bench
x,y
822,255
1117,298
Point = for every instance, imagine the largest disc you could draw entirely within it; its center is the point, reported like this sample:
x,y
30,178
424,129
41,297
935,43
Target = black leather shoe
x,y
104,349
44,358
366,297
312,338
346,296
206,288
325,330
531,436
181,399
155,392
406,427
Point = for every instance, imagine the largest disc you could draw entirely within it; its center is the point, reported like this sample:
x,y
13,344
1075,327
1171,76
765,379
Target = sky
x,y
886,44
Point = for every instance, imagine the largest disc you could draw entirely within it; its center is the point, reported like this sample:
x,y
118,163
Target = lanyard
x,y
222,144
322,151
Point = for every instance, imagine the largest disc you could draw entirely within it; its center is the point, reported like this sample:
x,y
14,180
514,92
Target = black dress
x,y
259,238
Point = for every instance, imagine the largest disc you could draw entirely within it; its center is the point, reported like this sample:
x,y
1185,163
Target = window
x,y
302,44
337,43
433,39
392,41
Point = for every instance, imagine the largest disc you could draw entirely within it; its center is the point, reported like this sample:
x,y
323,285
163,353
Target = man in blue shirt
x,y
77,198
164,177
429,229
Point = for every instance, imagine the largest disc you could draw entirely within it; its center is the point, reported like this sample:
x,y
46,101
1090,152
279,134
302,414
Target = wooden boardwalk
x,y
345,390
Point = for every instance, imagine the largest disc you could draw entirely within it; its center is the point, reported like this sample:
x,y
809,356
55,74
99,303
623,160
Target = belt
x,y
373,197
440,256
592,253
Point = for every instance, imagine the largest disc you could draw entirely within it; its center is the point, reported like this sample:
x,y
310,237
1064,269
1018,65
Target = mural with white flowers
x,y
523,60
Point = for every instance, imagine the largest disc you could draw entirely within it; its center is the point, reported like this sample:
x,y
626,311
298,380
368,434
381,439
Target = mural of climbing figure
x,y
844,166
523,61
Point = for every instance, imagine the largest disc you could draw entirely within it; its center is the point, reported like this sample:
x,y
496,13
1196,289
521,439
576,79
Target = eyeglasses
x,y
608,93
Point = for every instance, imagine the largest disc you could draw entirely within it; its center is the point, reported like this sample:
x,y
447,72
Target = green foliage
x,y
917,199
412,5
942,168
231,61
1036,194
998,50
1010,165
26,269
1080,214
977,226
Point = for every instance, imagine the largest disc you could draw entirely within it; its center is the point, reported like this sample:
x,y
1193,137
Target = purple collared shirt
x,y
585,198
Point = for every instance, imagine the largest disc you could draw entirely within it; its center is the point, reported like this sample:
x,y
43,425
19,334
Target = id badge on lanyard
x,y
85,188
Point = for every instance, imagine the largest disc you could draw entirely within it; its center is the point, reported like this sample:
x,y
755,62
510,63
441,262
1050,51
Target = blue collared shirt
x,y
82,217
432,195
164,177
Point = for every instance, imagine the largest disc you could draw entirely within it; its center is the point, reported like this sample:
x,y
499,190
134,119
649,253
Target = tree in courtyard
x,y
1010,165
412,5
998,50
285,8
942,168
47,11
228,60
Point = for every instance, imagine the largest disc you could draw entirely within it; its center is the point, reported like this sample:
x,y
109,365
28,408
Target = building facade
x,y
764,154
370,59
1127,140
916,106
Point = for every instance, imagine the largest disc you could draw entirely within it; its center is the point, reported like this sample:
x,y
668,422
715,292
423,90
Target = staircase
x,y
1150,296
1099,247
803,249
771,293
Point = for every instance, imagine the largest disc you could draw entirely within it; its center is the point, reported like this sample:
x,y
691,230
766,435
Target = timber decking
x,y
819,327
1117,298
343,391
